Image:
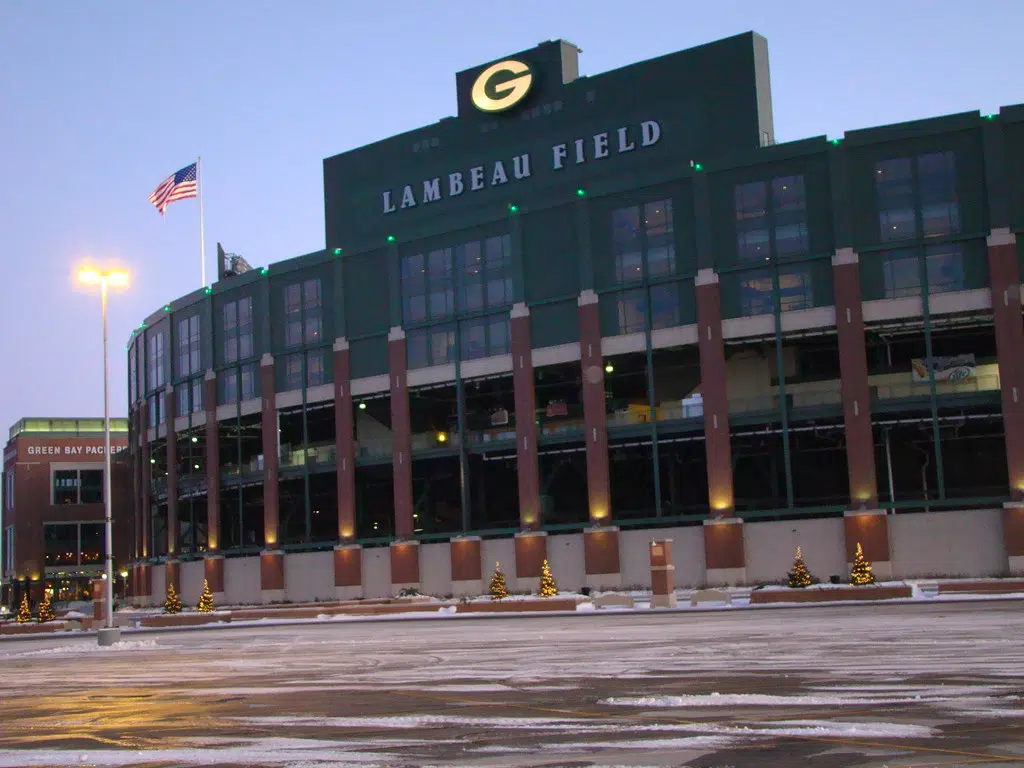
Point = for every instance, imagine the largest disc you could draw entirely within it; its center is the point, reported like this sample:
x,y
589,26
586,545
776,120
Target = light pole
x,y
109,634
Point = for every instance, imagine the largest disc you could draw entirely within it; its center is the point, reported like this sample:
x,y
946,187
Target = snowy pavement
x,y
909,684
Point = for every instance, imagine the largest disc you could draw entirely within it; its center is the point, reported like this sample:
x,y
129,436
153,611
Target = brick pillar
x,y
99,604
870,529
714,394
213,571
401,435
595,416
531,552
601,557
143,585
724,553
272,576
853,366
212,440
467,570
172,573
139,437
348,572
1004,274
405,565
527,462
663,590
1013,536
271,510
344,440
146,491
172,471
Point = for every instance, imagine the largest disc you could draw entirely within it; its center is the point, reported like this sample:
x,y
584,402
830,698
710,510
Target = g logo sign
x,y
501,86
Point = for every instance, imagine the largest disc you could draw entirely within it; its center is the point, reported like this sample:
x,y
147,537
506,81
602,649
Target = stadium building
x,y
52,538
588,307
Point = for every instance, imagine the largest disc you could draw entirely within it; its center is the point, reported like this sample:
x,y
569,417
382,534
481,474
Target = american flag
x,y
177,186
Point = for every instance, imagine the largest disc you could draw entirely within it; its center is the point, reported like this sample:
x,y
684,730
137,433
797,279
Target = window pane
x,y
664,306
752,239
60,543
293,332
900,274
790,207
498,343
92,486
197,395
795,289
895,190
292,298
473,340
756,293
65,486
626,243
245,312
293,372
416,349
181,399
230,315
441,343
661,252
315,369
313,328
945,265
311,289
248,381
631,311
940,210
93,549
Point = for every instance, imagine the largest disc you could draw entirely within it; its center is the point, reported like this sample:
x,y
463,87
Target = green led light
x,y
337,251
208,290
142,325
836,141
581,192
990,117
698,167
167,308
263,270
391,238
513,208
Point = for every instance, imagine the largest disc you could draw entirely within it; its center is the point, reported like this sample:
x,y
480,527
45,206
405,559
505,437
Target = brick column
x,y
595,417
212,460
663,591
527,462
172,471
213,571
531,552
1013,536
99,603
146,491
405,565
271,559
139,473
724,552
601,557
348,572
344,440
714,394
467,569
401,434
870,529
853,366
172,572
1004,274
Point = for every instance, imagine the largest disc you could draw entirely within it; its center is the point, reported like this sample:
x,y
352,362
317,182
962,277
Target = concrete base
x,y
526,584
882,570
271,596
475,587
603,580
348,593
219,598
396,589
664,601
1016,563
728,577
109,635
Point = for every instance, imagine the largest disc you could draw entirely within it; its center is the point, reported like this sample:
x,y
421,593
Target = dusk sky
x,y
100,101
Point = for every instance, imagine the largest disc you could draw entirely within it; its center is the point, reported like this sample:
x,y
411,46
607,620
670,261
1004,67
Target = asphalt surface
x,y
922,684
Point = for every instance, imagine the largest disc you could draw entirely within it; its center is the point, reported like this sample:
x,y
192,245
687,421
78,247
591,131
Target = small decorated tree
x,y
24,612
172,604
799,576
547,581
46,610
498,588
861,571
205,599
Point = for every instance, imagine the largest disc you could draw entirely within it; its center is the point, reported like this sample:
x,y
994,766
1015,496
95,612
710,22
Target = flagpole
x,y
202,236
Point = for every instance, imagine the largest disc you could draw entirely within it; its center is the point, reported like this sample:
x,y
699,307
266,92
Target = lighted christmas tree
x,y
547,581
498,588
799,576
205,599
172,604
24,612
46,610
861,571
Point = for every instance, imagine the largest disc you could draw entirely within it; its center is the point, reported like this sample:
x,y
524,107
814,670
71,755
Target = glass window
x,y
631,311
470,263
65,486
92,548
474,339
133,381
156,374
664,306
227,386
931,193
416,349
248,381
91,486
789,205
626,244
894,184
154,409
60,543
293,315
497,259
313,317
756,291
439,274
414,289
442,346
293,371
940,210
237,330
661,249
499,339
944,266
315,374
753,241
